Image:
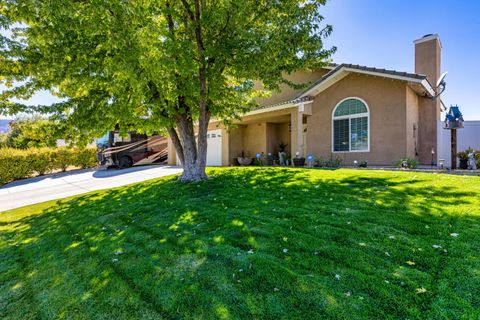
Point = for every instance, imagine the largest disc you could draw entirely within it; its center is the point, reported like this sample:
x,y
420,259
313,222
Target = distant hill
x,y
4,127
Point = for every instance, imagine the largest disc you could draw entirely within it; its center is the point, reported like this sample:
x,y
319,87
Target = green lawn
x,y
265,243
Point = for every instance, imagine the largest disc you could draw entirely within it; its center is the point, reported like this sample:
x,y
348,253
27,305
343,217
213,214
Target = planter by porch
x,y
464,164
244,161
298,162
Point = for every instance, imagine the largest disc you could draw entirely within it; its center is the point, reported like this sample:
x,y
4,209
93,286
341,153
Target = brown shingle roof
x,y
385,71
336,67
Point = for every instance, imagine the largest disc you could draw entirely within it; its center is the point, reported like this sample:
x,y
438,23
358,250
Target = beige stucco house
x,y
347,111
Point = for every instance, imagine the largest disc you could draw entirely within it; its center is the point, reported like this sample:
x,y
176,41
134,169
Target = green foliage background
x,y
140,63
23,163
32,132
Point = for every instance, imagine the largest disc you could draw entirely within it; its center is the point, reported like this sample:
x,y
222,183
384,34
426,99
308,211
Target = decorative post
x,y
453,142
453,121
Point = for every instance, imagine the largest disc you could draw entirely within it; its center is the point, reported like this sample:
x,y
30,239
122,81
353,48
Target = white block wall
x,y
469,136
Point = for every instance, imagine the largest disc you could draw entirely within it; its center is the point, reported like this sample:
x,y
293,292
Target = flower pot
x,y
298,162
244,161
464,164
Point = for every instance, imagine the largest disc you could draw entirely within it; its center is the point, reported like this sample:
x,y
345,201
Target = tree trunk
x,y
193,163
194,153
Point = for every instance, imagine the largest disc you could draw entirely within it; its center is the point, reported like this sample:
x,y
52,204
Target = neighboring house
x,y
4,126
347,111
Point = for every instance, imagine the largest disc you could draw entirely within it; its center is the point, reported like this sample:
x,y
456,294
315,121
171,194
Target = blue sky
x,y
380,33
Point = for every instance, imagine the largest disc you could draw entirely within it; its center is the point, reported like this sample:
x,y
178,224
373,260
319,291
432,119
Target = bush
x,y
407,162
3,140
23,163
319,163
40,160
63,158
85,158
329,163
14,165
363,164
463,155
333,162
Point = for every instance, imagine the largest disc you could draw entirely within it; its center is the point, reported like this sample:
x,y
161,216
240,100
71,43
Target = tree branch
x,y
187,8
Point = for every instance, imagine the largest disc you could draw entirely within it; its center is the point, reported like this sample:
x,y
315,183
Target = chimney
x,y
427,57
427,62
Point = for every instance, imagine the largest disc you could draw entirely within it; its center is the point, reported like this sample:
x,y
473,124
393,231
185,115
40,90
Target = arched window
x,y
351,126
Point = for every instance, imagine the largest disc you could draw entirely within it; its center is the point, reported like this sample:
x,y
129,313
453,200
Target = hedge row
x,y
23,163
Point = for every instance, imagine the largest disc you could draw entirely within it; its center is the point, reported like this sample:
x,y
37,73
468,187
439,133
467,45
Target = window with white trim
x,y
350,126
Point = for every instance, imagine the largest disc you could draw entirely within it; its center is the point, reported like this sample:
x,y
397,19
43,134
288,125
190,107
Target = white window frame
x,y
350,117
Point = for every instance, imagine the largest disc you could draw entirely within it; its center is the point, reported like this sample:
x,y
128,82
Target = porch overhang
x,y
298,102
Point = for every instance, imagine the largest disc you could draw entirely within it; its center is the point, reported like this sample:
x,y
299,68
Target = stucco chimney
x,y
427,62
427,57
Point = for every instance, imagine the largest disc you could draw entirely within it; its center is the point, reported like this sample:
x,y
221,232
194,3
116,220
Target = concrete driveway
x,y
60,185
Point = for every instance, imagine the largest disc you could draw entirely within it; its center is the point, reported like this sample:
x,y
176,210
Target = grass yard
x,y
265,243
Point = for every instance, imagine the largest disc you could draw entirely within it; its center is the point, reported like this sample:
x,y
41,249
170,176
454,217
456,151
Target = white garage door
x,y
214,150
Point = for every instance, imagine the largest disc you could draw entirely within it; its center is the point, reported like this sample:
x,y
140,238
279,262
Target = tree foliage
x,y
33,132
152,64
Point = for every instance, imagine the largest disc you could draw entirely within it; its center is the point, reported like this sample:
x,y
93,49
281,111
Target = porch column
x,y
225,147
296,123
172,154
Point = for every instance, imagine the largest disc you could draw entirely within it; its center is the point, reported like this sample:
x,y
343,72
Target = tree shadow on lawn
x,y
269,243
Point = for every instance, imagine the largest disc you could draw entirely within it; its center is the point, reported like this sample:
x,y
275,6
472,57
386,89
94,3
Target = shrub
x,y
407,163
23,163
85,158
14,165
463,155
329,163
63,158
40,160
3,140
319,163
363,164
333,162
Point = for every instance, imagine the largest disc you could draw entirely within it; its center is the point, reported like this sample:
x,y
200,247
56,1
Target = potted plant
x,y
407,163
363,164
298,161
270,159
282,155
244,161
463,158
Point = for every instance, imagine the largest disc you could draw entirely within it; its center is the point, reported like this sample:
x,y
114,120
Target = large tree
x,y
155,65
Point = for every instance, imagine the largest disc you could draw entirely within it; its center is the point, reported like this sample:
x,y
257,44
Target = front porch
x,y
264,132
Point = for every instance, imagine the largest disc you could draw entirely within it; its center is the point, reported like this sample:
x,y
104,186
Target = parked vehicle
x,y
132,149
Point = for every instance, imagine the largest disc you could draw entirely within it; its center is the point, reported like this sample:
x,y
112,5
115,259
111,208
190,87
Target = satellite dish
x,y
441,80
441,84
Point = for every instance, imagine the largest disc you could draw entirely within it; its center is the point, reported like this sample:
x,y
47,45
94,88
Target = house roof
x,y
384,71
418,82
293,101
